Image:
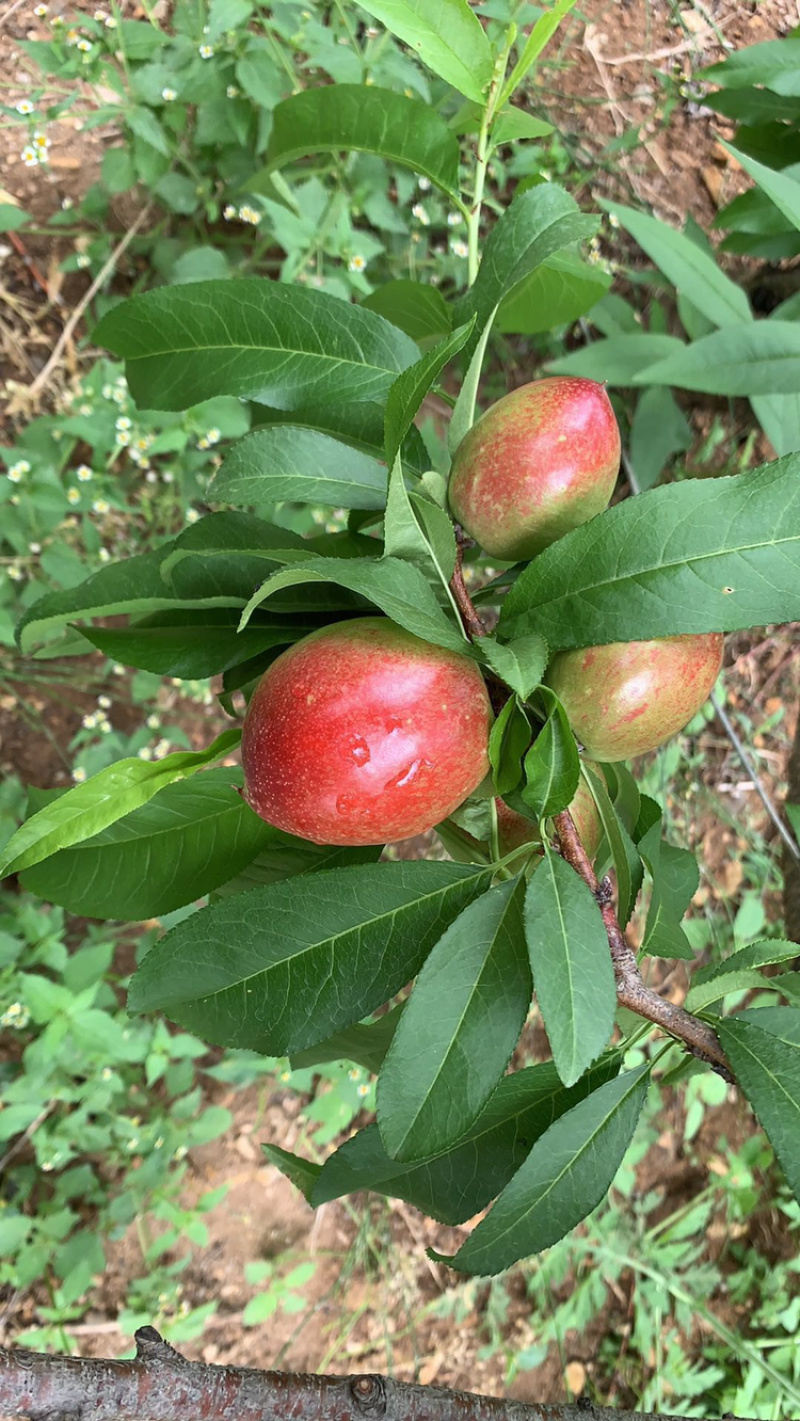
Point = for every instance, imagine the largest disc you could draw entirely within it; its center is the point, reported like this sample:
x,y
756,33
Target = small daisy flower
x,y
123,422
82,261
613,220
107,392
67,204
40,11
231,92
18,470
24,107
145,753
122,438
106,1073
104,725
29,157
34,548
104,702
119,396
424,184
72,37
100,16
168,95
89,722
421,215
362,1090
161,749
229,212
152,722
454,219
16,1015
110,22
118,669
104,555
213,435
249,214
192,516
206,51
84,473
357,262
78,775
57,21
101,505
459,248
168,476
354,1073
85,46
15,573
203,443
85,410
151,477
73,495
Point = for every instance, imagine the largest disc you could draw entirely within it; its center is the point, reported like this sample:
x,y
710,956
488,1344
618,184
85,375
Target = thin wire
x,y
752,771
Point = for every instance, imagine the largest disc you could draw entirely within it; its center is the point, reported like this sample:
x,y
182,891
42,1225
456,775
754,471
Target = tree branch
x,y
473,625
160,1385
631,990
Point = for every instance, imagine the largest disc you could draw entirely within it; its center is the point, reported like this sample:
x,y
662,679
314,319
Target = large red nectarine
x,y
537,464
362,733
628,697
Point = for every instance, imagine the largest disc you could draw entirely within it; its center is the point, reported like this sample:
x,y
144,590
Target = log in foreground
x,y
160,1385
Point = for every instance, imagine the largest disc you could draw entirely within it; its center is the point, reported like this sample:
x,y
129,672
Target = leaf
x,y
756,954
658,431
627,864
458,1030
258,339
759,359
774,63
572,973
556,293
675,877
509,739
282,968
192,645
365,1043
456,1184
519,663
285,464
398,588
540,35
618,360
745,979
359,424
340,117
180,846
289,857
446,34
538,223
421,311
692,272
768,1070
699,556
134,585
783,1022
89,808
565,1176
463,415
12,217
301,1173
552,765
409,389
514,123
417,530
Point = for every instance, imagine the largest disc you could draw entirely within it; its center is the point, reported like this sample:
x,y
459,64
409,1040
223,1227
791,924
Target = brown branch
x,y
631,990
473,625
159,1385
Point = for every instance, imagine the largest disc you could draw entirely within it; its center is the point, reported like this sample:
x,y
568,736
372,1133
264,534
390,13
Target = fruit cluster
x,y
363,734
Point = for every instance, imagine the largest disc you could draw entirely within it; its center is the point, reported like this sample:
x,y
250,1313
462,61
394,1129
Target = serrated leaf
x,y
556,293
358,423
282,968
519,663
514,123
572,973
627,864
756,954
564,1177
178,847
759,359
409,389
552,765
768,1070
745,979
509,739
366,1044
294,465
289,857
783,1022
458,1030
541,34
89,808
619,359
398,588
418,531
368,120
301,1173
257,339
455,1185
421,311
699,556
446,34
192,645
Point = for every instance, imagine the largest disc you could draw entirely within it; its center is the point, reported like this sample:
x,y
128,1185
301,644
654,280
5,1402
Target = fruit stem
x,y
632,993
473,625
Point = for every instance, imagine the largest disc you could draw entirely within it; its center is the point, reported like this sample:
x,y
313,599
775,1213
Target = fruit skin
x,y
628,697
539,463
363,734
514,830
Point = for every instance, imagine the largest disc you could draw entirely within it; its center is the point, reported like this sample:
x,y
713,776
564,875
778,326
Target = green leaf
x,y
463,415
783,1022
618,360
12,217
409,389
759,359
227,15
509,739
446,35
768,1070
565,1176
134,585
658,431
398,588
774,63
418,530
756,954
692,272
285,464
458,1030
627,864
572,973
146,126
555,294
365,1043
745,979
539,222
367,120
192,645
102,800
180,846
700,556
675,877
301,1173
282,968
359,424
515,123
552,765
258,339
420,311
289,857
519,663
456,1184
540,35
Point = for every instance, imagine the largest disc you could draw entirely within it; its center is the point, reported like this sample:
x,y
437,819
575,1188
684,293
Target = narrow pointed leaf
x,y
620,358
191,645
768,1070
258,339
540,35
572,974
366,1043
418,531
759,359
627,864
704,555
446,34
458,1030
509,739
421,311
552,765
300,1172
409,389
282,968
782,190
564,1178
285,464
756,954
519,663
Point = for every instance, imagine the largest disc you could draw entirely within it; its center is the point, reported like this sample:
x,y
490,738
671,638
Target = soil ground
x,y
372,1300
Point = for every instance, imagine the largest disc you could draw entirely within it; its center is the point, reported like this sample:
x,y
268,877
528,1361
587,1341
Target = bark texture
x,y
791,868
